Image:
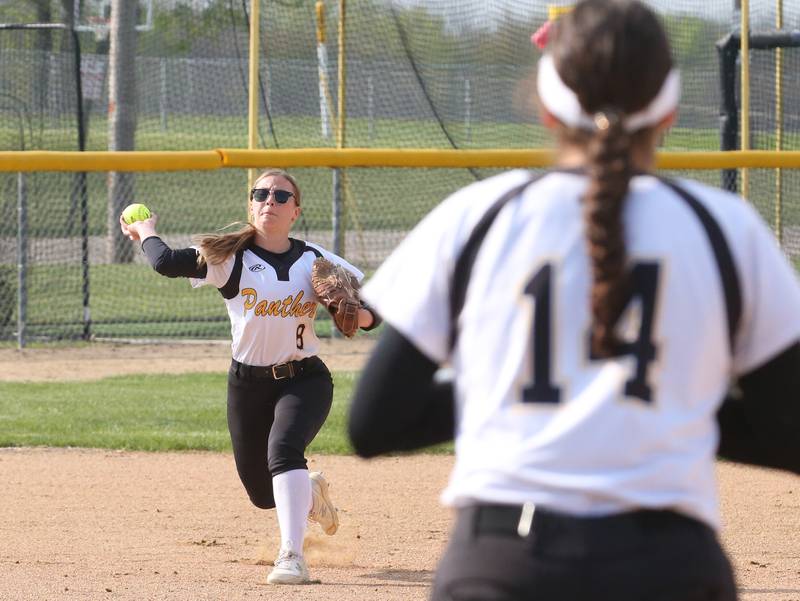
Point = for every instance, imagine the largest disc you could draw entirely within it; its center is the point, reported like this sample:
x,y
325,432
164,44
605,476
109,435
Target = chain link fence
x,y
445,74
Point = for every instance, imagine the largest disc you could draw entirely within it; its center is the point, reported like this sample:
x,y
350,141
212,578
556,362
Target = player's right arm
x,y
166,261
178,263
399,405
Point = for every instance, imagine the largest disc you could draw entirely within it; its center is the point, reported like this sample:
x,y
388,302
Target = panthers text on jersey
x,y
270,301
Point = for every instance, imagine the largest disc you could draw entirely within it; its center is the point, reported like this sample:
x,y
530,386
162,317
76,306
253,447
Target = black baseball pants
x,y
636,556
271,422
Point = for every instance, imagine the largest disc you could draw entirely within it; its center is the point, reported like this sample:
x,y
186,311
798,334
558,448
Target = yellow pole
x,y
339,181
745,58
340,120
319,9
252,99
332,158
779,125
325,101
554,11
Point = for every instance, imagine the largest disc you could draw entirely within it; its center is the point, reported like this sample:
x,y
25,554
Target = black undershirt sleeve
x,y
177,263
760,420
376,319
398,405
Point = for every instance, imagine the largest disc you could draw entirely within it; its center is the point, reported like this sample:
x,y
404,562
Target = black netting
x,y
40,109
437,74
775,192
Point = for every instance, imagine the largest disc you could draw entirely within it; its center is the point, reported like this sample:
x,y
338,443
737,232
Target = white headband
x,y
563,103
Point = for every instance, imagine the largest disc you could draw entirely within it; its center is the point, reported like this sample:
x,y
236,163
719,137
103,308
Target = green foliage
x,y
180,29
692,38
18,12
176,29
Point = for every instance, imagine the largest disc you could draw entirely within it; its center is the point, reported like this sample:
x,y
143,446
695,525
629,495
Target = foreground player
x,y
594,318
279,390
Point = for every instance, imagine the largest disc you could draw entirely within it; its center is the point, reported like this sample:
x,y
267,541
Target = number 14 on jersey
x,y
644,280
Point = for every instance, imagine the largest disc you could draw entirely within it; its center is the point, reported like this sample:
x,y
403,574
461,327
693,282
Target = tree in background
x,y
121,119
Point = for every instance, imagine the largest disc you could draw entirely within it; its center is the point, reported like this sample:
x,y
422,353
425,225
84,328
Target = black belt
x,y
278,371
569,533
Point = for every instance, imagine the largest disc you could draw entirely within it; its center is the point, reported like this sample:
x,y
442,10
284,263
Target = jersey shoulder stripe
x,y
466,258
282,262
231,287
722,254
723,257
312,249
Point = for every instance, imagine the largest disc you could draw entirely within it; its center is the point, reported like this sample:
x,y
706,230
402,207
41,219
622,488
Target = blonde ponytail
x,y
215,248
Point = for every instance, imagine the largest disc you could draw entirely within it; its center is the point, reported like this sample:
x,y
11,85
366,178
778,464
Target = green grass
x,y
146,413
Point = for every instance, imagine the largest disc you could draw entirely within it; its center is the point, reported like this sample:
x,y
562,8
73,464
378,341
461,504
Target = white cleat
x,y
290,568
323,511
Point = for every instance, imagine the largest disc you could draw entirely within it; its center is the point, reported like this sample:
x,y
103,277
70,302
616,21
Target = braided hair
x,y
615,56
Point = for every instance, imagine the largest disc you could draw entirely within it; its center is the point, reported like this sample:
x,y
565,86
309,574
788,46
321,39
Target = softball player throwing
x,y
279,391
594,319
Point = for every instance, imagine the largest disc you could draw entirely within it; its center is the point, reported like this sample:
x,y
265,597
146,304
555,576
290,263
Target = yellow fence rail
x,y
220,158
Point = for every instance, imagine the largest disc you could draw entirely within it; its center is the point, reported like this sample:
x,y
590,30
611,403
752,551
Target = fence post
x,y
162,105
22,258
467,111
371,107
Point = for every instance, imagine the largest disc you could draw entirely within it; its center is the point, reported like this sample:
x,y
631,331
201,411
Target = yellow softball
x,y
135,212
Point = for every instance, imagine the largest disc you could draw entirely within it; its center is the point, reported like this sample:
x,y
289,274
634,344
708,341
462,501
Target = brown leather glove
x,y
337,290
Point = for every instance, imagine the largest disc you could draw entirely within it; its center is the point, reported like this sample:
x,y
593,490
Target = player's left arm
x,y
398,405
759,422
368,317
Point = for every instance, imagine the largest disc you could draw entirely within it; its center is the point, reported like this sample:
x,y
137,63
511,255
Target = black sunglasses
x,y
262,194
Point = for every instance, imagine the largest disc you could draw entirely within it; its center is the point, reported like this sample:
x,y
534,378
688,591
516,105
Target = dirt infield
x,y
87,525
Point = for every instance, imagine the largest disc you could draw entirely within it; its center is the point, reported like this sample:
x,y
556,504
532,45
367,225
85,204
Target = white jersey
x,y
271,303
540,420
